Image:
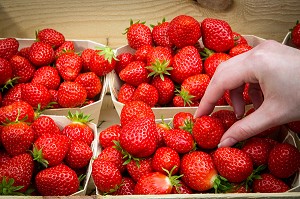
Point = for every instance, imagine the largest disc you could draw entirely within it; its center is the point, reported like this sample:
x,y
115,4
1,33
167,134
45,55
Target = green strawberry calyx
x,y
107,52
160,68
7,187
78,117
37,155
131,23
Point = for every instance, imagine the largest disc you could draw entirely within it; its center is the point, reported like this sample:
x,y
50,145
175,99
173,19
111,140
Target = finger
x,y
256,95
238,102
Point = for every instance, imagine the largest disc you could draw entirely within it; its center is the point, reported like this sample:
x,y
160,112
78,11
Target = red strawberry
x,y
86,58
113,155
41,54
207,132
51,37
147,93
238,39
246,96
44,124
181,188
22,69
284,160
139,137
183,99
233,164
138,34
227,117
217,35
47,76
54,97
4,156
108,135
187,62
69,66
239,49
20,109
134,110
183,120
66,47
196,85
213,61
294,126
135,73
79,155
24,52
14,94
71,94
179,140
165,87
51,149
126,93
78,129
20,169
59,180
184,31
103,61
166,158
91,82
267,183
137,170
6,72
295,35
107,177
8,48
198,170
160,34
142,52
36,95
126,188
123,60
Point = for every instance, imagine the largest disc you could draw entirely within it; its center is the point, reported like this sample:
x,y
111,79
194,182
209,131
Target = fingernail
x,y
227,142
238,116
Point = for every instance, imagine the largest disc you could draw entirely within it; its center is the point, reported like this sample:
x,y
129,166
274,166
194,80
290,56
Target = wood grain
x,y
105,21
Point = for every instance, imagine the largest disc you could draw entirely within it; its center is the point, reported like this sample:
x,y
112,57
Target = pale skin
x,y
273,71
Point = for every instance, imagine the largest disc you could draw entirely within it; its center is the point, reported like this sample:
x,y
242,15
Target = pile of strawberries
x,y
50,73
170,66
39,155
141,157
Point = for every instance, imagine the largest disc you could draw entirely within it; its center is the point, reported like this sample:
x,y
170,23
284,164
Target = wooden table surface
x,y
105,21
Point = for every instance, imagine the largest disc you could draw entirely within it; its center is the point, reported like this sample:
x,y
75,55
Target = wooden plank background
x,y
105,21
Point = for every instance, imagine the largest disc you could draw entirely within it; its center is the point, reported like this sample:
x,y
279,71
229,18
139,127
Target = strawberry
x,y
126,188
91,82
137,170
8,48
181,188
217,35
22,69
78,129
284,160
139,137
4,156
51,37
50,149
187,62
54,97
126,93
79,155
66,47
165,87
108,135
103,61
138,34
123,60
107,177
183,120
142,52
179,140
86,55
6,72
294,126
246,96
267,183
160,34
182,98
59,180
47,76
162,128
14,94
44,124
239,49
17,172
71,94
41,54
207,132
198,170
135,73
233,164
155,183
113,155
69,66
24,52
227,117
238,38
196,85
295,35
147,93
17,110
36,95
134,110
184,31
165,159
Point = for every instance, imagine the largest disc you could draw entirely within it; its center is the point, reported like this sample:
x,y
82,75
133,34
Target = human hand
x,y
273,73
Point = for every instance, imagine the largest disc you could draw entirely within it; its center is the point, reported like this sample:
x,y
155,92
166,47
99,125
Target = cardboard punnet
x,y
115,83
94,108
63,121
